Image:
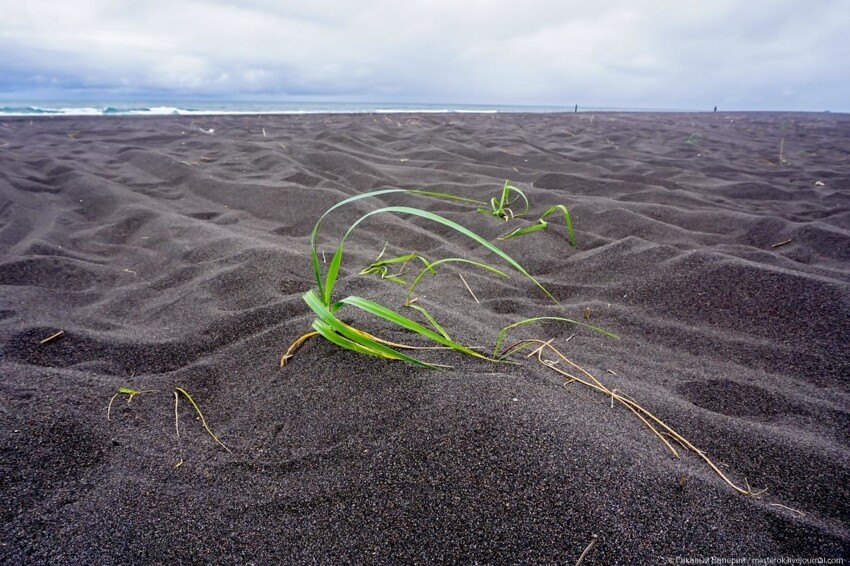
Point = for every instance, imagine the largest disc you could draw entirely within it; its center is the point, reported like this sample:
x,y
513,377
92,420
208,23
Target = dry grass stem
x,y
53,337
294,346
176,416
109,407
787,508
782,243
656,425
468,289
590,545
200,414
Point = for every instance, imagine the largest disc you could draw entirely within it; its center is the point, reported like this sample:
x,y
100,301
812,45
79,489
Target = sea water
x,y
164,108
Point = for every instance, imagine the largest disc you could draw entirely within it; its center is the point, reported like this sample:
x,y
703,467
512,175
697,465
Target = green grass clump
x,y
329,325
500,206
321,300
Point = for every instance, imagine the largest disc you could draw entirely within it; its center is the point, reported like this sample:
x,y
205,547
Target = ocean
x,y
161,108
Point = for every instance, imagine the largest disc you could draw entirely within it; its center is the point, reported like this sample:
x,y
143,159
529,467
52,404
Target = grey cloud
x,y
650,53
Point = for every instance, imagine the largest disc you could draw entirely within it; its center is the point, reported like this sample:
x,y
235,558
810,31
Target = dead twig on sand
x,y
656,425
465,284
787,508
52,337
590,545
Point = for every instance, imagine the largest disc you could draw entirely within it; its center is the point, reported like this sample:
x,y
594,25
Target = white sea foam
x,y
157,110
249,108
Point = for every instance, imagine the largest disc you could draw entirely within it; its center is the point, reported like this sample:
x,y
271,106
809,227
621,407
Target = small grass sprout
x,y
500,206
197,410
130,393
381,267
541,224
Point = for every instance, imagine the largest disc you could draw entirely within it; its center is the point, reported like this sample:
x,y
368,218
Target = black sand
x,y
174,257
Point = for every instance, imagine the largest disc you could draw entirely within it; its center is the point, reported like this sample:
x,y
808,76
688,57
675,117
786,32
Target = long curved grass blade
x,y
567,221
434,264
404,322
314,235
504,331
333,270
354,339
431,319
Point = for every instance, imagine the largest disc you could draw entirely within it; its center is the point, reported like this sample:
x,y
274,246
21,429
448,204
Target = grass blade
x,y
504,331
404,322
542,224
567,221
333,337
333,270
344,335
314,235
431,319
431,267
200,414
523,231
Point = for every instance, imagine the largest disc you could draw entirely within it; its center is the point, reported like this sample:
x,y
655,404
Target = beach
x,y
156,253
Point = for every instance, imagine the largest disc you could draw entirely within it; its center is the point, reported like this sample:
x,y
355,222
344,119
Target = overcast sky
x,y
689,54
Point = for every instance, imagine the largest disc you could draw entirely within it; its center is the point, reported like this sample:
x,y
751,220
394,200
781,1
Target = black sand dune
x,y
173,252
